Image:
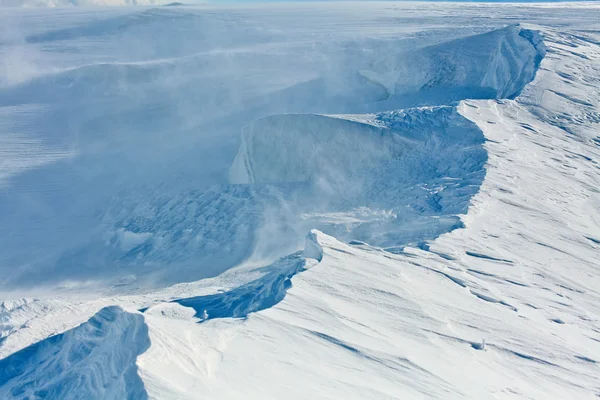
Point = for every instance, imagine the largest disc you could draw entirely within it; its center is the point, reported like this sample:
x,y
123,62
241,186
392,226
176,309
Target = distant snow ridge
x,y
15,314
80,3
386,178
496,64
93,360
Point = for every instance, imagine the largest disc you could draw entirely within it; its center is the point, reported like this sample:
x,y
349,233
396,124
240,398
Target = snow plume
x,y
19,61
184,207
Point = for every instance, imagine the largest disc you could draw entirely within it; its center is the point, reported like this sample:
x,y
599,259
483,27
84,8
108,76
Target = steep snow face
x,y
93,360
380,178
497,64
299,148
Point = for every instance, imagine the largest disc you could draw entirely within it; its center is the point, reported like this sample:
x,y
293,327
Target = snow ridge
x,y
93,360
254,296
380,160
497,64
347,175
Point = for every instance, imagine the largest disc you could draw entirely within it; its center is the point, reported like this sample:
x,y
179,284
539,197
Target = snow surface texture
x,y
379,306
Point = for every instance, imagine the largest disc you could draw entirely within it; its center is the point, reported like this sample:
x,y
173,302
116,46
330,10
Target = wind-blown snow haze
x,y
366,200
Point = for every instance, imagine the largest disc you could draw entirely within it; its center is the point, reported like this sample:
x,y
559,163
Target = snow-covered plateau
x,y
370,200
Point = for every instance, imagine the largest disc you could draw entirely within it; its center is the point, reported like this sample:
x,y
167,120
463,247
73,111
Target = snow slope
x,y
505,308
94,360
457,243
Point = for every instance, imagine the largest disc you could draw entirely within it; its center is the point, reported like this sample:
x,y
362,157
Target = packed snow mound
x,y
496,64
94,360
